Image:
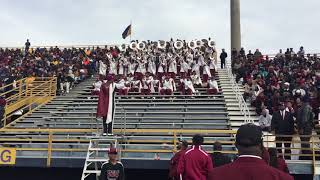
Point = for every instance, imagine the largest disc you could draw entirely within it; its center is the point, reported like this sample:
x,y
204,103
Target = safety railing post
x,y
313,155
50,88
49,149
174,141
20,89
4,117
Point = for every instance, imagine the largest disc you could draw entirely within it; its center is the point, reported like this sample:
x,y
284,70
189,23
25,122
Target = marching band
x,y
152,67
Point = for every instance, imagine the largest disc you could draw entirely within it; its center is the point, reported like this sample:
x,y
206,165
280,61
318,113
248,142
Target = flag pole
x,y
130,30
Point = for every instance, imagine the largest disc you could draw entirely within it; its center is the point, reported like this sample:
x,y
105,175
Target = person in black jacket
x,y
223,57
282,124
113,169
305,123
219,159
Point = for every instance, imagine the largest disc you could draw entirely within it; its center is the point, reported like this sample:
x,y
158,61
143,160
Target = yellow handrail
x,y
25,96
168,143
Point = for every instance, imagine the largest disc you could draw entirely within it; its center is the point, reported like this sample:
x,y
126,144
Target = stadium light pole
x,y
235,24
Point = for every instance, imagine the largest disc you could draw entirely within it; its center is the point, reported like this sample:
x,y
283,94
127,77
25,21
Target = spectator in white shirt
x,y
280,54
265,120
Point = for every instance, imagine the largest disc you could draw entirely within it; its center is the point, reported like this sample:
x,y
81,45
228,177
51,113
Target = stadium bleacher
x,y
77,110
147,127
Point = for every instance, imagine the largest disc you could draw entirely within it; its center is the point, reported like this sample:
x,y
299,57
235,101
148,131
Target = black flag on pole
x,y
126,32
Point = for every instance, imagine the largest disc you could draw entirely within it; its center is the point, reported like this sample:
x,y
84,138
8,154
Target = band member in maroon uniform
x,y
106,105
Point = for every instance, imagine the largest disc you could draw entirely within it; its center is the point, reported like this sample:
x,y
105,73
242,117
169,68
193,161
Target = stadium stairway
x,y
232,104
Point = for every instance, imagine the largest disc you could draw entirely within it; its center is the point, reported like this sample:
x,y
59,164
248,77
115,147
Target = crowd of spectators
x,y
69,65
287,77
284,89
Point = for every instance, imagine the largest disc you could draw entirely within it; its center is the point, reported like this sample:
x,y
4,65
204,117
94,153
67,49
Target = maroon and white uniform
x,y
136,85
168,87
212,66
141,69
123,66
152,65
206,73
196,80
213,87
163,65
184,67
188,87
113,67
146,86
154,84
190,62
172,67
196,67
123,87
132,67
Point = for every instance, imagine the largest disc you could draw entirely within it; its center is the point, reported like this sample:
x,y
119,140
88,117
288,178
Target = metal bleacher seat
x,y
77,110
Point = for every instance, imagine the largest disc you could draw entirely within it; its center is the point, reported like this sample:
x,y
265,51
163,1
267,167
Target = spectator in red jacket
x,y
182,147
249,165
276,161
195,163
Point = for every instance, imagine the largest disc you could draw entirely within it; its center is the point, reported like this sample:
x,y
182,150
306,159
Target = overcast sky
x,y
266,24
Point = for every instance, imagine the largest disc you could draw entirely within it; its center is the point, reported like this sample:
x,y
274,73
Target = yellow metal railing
x,y
170,143
28,94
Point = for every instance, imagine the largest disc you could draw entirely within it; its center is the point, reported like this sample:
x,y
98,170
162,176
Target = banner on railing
x,y
7,156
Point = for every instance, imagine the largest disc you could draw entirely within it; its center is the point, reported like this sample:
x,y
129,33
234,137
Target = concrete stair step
x,y
241,118
237,108
238,124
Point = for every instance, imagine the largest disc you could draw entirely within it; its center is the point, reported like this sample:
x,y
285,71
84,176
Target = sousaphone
x,y
198,43
212,44
178,44
133,45
162,44
123,47
141,46
192,45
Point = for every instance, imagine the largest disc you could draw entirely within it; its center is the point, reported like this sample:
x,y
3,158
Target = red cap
x,y
112,151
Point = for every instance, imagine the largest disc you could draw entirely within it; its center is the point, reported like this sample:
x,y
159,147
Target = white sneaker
x,y
104,134
110,134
